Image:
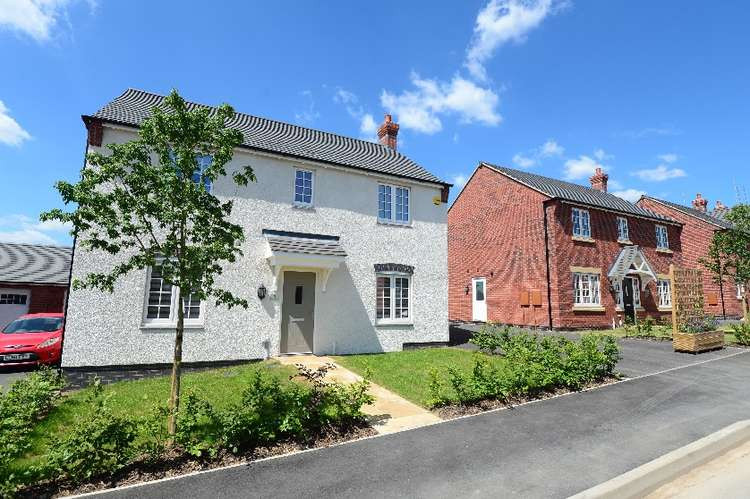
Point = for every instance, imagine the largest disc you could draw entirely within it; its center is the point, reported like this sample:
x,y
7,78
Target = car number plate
x,y
16,356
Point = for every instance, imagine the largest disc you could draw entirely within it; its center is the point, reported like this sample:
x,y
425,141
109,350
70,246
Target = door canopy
x,y
632,262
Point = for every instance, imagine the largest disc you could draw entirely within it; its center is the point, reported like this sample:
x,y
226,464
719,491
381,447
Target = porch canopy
x,y
303,251
632,262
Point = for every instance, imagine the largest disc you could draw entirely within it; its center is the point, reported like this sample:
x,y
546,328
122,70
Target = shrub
x,y
490,337
533,365
741,333
26,401
700,325
198,427
101,443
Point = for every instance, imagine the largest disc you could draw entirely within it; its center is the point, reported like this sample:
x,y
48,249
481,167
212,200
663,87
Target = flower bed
x,y
698,335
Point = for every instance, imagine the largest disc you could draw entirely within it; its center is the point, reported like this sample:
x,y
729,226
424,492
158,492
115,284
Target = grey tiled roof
x,y
133,106
310,244
34,264
579,194
716,218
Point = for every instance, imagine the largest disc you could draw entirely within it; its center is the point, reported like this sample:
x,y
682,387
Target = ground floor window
x,y
663,287
393,298
586,289
740,291
12,299
161,300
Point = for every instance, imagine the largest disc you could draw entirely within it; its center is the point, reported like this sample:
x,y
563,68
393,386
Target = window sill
x,y
381,323
625,242
666,251
593,308
581,239
394,224
303,206
169,325
664,309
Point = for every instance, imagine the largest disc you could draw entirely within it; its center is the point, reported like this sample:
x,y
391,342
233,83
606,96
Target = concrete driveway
x,y
550,448
8,376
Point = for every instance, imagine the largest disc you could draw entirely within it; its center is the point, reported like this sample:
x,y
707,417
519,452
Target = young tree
x,y
149,202
729,252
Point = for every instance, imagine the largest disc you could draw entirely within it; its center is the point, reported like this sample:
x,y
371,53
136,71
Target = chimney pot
x,y
699,203
599,180
388,132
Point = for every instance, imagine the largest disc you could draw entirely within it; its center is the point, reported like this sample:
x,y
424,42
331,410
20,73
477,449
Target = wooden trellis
x,y
687,296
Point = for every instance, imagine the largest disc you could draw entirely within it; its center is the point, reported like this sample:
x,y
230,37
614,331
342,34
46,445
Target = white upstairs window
x,y
303,187
622,229
581,223
662,241
393,204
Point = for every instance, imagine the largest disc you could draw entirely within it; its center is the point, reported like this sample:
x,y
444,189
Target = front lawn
x,y
133,399
408,373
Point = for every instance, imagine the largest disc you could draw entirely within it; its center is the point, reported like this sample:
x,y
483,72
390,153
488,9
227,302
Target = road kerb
x,y
652,475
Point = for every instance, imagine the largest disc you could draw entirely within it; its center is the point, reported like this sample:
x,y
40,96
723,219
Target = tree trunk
x,y
745,308
174,396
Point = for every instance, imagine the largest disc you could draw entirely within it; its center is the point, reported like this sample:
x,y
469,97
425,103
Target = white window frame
x,y
664,292
171,321
581,215
661,230
392,296
623,231
393,196
619,298
740,291
312,188
595,290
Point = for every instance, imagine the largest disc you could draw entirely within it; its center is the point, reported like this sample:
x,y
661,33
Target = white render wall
x,y
106,329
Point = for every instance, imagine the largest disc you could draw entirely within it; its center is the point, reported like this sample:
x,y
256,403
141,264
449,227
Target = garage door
x,y
13,303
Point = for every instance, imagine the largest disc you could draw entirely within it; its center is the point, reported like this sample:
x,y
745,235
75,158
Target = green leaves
x,y
140,200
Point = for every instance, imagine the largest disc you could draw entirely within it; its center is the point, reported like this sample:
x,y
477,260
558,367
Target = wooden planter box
x,y
698,342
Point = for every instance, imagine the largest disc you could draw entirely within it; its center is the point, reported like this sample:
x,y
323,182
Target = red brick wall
x,y
601,253
696,237
43,298
496,231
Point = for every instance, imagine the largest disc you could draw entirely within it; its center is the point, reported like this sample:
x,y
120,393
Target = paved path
x,y
725,476
7,377
552,448
389,413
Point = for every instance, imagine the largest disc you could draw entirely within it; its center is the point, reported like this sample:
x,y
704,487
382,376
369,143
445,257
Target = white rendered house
x,y
347,238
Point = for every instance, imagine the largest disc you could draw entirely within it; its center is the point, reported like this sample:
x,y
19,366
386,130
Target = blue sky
x,y
657,93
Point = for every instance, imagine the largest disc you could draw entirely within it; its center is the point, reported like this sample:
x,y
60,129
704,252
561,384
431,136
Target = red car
x,y
32,339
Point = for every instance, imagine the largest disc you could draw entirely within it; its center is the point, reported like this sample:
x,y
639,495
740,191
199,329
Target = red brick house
x,y
530,250
722,299
33,278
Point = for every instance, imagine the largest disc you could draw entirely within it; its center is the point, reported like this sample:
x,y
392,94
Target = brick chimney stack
x,y
387,132
720,208
599,180
699,203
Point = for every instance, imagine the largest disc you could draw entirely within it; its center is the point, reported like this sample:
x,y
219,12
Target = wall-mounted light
x,y
261,291
467,289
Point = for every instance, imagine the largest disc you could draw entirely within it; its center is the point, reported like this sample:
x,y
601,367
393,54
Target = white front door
x,y
13,304
479,299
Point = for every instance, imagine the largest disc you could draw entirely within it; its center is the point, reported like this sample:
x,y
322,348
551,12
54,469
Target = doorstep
x,y
389,413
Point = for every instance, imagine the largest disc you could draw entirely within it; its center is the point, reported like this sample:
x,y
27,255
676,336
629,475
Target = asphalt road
x,y
551,448
8,376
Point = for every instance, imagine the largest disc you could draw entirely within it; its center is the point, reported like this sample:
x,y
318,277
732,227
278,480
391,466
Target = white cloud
x,y
631,195
367,125
523,161
668,158
419,109
11,132
551,148
614,184
24,229
500,22
310,113
660,173
581,167
602,155
651,131
36,18
459,180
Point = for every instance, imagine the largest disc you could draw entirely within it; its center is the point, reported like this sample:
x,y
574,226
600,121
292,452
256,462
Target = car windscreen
x,y
35,325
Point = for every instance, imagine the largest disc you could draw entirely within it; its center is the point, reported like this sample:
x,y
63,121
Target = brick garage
x,y
33,279
496,230
699,226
